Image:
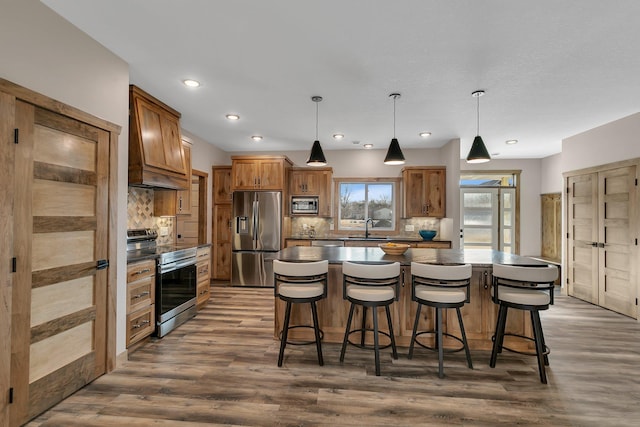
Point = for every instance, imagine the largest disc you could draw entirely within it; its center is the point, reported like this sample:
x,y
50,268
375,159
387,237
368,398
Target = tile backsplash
x,y
140,215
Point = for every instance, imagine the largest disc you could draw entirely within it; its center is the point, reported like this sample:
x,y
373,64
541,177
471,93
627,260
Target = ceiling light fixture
x,y
232,117
424,134
511,141
338,136
316,158
368,146
394,154
256,138
191,83
478,152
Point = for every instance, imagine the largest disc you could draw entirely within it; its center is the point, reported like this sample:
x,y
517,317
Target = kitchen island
x,y
479,314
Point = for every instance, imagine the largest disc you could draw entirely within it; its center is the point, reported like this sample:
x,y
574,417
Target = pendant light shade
x,y
394,154
478,152
316,158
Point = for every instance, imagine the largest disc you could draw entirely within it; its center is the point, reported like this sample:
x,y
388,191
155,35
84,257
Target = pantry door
x,y
60,285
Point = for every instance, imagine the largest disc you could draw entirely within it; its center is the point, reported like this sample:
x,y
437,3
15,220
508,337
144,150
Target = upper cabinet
x,y
424,191
156,156
312,182
222,185
259,172
171,202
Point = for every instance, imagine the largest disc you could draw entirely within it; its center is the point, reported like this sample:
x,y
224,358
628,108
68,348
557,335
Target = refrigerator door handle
x,y
256,223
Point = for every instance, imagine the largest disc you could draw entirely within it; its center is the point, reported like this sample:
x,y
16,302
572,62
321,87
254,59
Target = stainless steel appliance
x,y
257,224
304,205
176,280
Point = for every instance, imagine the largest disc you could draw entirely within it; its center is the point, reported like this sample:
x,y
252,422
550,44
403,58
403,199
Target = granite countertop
x,y
374,255
373,239
145,254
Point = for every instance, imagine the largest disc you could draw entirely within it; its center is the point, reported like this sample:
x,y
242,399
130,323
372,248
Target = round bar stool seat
x,y
523,288
370,286
440,287
300,282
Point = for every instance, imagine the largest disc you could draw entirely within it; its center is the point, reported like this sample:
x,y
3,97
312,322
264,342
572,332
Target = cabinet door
x,y
271,175
297,182
415,187
183,197
324,193
244,175
434,195
222,242
222,185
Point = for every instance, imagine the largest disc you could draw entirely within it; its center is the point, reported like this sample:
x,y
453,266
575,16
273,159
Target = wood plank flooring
x,y
220,369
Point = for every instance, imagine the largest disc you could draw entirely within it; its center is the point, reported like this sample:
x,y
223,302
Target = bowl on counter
x,y
427,235
394,248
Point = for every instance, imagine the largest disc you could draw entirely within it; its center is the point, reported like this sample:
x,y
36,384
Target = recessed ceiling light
x,y
232,117
424,134
511,141
368,146
191,83
338,136
256,138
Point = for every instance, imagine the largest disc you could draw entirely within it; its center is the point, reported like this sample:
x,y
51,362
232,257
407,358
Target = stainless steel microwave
x,y
304,205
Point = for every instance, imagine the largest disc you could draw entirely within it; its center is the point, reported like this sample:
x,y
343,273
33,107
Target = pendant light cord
x,y
394,116
317,121
478,113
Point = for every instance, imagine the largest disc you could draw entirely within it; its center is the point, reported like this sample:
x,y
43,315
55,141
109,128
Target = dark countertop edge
x,y
374,239
374,255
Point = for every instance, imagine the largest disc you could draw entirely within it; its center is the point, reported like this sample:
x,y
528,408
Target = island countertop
x,y
373,255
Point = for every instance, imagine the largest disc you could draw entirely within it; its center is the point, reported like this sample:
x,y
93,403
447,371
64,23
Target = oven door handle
x,y
176,265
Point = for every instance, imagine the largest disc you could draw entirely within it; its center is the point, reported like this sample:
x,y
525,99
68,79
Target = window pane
x,y
507,236
477,200
362,200
507,219
477,235
506,198
380,206
477,217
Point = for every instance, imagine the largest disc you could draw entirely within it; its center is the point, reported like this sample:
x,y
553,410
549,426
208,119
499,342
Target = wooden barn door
x,y
60,231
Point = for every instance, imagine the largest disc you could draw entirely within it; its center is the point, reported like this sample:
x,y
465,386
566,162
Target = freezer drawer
x,y
248,268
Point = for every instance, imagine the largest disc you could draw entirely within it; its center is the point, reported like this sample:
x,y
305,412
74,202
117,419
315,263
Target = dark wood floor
x,y
220,369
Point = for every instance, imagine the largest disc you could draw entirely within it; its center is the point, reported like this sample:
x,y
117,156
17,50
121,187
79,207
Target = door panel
x,y
61,232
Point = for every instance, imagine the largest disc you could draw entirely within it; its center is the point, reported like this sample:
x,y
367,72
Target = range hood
x,y
156,156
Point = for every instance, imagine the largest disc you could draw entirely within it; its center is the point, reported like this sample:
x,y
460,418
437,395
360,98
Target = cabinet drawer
x,y
203,269
437,245
203,253
140,324
140,293
203,292
140,270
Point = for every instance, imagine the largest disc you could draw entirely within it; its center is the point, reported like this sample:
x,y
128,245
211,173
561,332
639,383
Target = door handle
x,y
601,245
594,244
101,264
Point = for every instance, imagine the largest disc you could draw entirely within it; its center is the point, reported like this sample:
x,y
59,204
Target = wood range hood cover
x,y
156,156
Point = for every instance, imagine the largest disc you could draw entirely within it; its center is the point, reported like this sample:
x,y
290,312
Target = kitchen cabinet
x,y
259,172
312,182
175,202
602,236
57,204
221,232
156,153
203,261
141,285
222,193
424,191
289,243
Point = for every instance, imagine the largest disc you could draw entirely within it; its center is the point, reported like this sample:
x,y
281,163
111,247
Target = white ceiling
x,y
550,68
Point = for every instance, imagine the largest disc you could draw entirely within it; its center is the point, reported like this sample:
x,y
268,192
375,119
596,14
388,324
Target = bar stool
x,y
300,282
440,287
370,286
523,288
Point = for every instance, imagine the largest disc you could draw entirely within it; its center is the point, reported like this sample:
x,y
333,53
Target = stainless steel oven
x,y
176,284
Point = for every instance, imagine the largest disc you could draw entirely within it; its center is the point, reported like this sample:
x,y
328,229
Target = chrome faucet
x,y
366,227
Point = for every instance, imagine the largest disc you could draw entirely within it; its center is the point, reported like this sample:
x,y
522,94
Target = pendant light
x,y
394,154
478,152
316,158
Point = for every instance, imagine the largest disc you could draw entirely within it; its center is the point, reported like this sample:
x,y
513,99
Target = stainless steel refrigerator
x,y
257,225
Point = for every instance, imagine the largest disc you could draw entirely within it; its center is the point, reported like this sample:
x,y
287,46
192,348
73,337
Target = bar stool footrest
x,y
313,341
444,334
369,346
526,353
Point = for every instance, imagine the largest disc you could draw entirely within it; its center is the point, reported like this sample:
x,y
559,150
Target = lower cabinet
x,y
141,285
203,257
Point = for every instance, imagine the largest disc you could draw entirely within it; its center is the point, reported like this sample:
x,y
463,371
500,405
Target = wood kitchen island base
x,y
479,315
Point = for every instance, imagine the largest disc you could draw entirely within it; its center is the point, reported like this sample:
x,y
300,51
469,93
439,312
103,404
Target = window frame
x,y
372,231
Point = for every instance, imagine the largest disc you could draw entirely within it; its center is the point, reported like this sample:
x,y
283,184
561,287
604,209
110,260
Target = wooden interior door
x,y
582,237
187,226
617,239
59,296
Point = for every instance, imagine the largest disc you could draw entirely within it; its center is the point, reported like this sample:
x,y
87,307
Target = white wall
x,y
611,142
530,221
551,174
451,154
44,53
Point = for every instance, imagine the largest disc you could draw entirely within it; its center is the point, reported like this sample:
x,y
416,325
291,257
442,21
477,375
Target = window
x,y
360,199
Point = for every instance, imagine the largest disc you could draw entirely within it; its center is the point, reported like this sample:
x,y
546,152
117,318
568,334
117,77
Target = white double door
x,y
488,218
